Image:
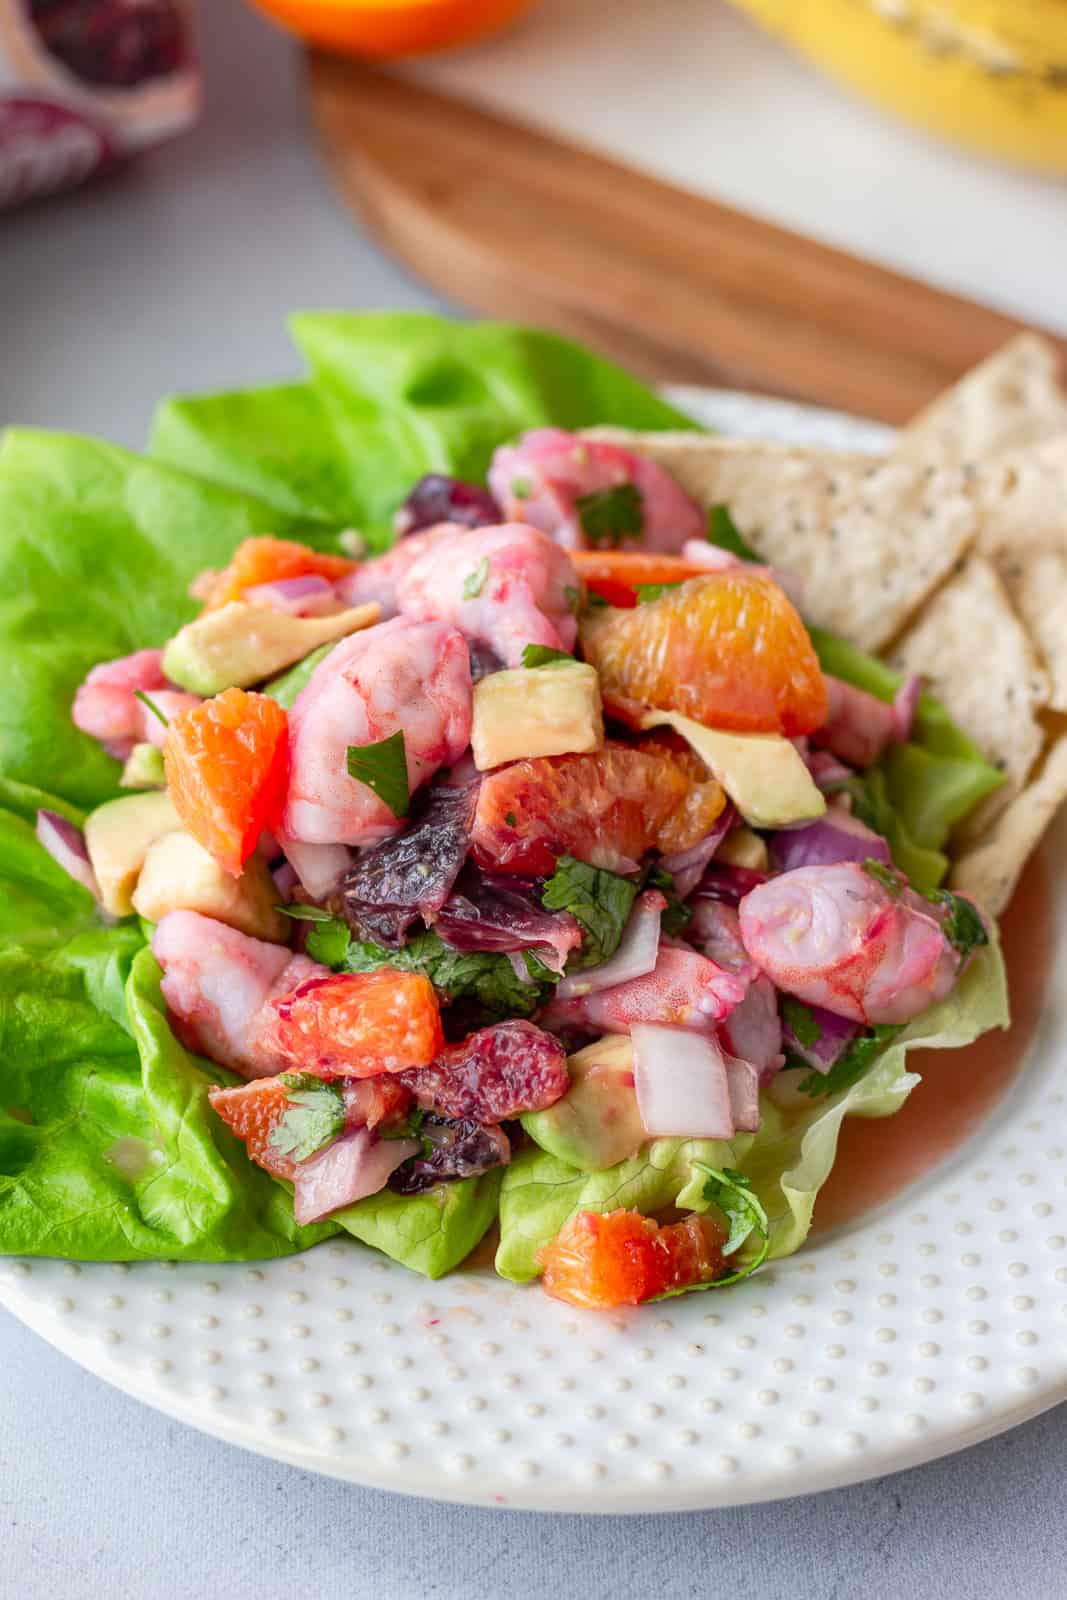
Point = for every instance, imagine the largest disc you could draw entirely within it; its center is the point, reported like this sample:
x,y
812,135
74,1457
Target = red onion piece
x,y
729,884
294,597
637,953
354,1166
837,836
905,705
835,1035
828,773
742,1080
65,843
687,867
285,880
320,867
858,726
681,1083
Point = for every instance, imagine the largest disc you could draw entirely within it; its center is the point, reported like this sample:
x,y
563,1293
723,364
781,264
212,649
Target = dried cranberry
x,y
411,874
114,42
505,913
496,1073
461,1149
437,498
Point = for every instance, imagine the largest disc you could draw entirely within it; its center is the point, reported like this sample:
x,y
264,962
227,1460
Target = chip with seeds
x,y
976,657
990,870
869,537
1011,401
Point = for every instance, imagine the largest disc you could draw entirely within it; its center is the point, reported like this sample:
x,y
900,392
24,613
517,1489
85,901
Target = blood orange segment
x,y
623,1258
615,575
267,560
607,808
227,766
253,1111
728,649
358,1024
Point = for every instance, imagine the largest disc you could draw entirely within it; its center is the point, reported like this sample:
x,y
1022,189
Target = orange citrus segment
x,y
359,1024
267,560
227,765
623,1258
728,649
607,808
253,1111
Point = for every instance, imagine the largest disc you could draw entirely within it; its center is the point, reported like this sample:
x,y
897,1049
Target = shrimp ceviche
x,y
566,867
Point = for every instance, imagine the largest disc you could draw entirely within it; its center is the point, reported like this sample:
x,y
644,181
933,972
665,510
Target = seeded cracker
x,y
990,871
1012,401
977,659
871,538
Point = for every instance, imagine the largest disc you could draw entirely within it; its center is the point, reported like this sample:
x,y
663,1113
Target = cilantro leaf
x,y
303,913
677,915
573,598
139,694
800,1019
542,655
652,591
722,530
315,1115
857,1060
328,942
521,488
383,767
745,1215
601,901
884,875
607,516
475,581
483,978
963,927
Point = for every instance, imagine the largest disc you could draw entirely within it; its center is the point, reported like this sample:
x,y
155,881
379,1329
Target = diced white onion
x,y
354,1166
743,1082
681,1083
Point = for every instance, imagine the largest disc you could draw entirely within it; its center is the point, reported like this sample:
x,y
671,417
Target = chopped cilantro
x,y
328,942
722,530
601,901
677,915
732,1194
486,979
383,767
511,819
963,927
857,1060
573,598
475,581
801,1020
543,655
594,601
885,876
314,1116
607,516
651,591
139,694
521,488
303,913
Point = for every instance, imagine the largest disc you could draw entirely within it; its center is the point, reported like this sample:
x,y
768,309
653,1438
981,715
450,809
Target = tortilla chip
x,y
870,537
1023,511
1012,401
978,661
990,870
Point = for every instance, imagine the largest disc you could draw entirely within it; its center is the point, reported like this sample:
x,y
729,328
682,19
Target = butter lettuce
x,y
787,1161
431,1233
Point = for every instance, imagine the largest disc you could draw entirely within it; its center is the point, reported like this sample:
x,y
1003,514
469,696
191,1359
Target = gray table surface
x,y
177,275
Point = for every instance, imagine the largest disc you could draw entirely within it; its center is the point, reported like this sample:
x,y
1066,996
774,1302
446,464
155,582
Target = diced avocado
x,y
285,688
597,1122
179,875
763,774
241,644
536,711
743,848
118,836
144,768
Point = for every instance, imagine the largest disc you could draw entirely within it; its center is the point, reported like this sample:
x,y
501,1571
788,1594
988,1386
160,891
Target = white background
x,y
178,274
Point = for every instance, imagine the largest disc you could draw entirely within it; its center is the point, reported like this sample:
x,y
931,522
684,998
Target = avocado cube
x,y
536,711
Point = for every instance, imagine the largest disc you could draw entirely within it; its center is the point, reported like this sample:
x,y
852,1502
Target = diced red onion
x,y
354,1166
730,884
905,705
687,866
827,771
320,867
742,1080
681,1083
837,836
65,843
835,1035
635,957
285,880
294,597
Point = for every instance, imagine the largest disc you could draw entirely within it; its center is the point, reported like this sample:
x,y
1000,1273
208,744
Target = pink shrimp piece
x,y
837,937
684,989
379,578
106,704
503,587
541,479
218,985
406,676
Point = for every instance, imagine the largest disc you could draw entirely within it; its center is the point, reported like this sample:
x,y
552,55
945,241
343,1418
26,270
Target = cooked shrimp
x,y
106,705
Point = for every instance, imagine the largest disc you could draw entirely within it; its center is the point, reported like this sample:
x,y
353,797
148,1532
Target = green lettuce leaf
x,y
787,1161
431,1233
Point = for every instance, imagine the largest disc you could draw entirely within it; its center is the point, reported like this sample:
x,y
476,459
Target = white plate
x,y
935,1322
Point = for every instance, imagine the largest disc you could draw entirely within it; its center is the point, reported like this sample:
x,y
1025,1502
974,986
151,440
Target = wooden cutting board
x,y
513,223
